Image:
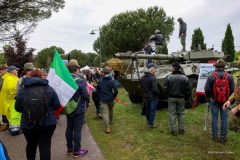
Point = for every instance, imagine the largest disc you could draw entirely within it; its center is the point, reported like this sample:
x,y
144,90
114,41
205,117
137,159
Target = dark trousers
x,y
151,107
74,131
39,137
97,105
215,109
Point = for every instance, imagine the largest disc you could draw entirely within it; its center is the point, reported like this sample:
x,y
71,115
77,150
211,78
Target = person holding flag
x,y
76,119
68,86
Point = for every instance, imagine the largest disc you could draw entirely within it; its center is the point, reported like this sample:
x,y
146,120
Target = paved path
x,y
16,145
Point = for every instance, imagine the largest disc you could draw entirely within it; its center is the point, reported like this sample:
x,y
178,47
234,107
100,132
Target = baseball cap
x,y
150,65
11,68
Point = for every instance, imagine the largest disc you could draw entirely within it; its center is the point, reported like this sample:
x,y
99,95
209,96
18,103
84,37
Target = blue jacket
x,y
53,101
211,80
82,94
158,39
107,89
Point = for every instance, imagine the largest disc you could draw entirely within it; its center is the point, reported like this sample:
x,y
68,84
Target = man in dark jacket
x,y
37,133
177,88
107,91
150,93
182,33
214,105
76,119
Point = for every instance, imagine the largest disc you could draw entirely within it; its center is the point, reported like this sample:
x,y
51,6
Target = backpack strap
x,y
215,75
76,78
225,76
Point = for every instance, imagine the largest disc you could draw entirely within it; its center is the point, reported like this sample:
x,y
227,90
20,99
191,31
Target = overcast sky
x,y
70,27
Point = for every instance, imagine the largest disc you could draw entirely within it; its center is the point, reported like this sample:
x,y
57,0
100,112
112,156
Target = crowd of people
x,y
219,90
29,105
38,123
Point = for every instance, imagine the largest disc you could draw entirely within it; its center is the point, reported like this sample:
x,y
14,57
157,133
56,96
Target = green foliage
x,y
228,44
165,49
2,59
45,56
236,55
132,139
83,58
17,53
130,30
25,12
198,39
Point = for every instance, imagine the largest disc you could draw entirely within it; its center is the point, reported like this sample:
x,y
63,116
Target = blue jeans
x,y
74,131
151,107
215,109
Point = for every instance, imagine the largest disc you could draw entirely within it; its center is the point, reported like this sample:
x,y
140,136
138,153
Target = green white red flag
x,y
61,80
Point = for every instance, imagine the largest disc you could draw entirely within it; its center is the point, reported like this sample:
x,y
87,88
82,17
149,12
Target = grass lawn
x,y
132,139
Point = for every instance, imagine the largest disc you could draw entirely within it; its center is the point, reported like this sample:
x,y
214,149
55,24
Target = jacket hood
x,y
32,81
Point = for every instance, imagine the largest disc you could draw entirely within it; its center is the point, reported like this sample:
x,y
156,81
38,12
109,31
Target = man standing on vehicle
x,y
150,94
178,89
218,88
182,33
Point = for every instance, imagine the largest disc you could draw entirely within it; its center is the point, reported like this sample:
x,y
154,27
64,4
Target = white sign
x,y
206,69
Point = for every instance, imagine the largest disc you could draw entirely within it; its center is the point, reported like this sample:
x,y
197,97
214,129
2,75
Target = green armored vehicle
x,y
189,60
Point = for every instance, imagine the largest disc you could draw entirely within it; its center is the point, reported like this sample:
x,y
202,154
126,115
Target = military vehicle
x,y
189,61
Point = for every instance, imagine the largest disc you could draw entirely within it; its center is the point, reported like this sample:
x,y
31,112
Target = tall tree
x,y
228,44
2,59
83,58
25,12
17,53
45,56
165,49
129,31
198,40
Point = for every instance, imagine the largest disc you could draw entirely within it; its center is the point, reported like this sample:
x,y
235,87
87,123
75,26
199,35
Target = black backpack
x,y
35,104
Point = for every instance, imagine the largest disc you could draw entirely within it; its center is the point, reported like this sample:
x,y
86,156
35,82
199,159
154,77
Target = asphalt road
x,y
16,145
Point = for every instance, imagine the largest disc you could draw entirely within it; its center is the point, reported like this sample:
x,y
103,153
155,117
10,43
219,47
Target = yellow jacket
x,y
8,93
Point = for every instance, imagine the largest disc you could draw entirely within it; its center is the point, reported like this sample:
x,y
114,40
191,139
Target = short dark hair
x,y
72,69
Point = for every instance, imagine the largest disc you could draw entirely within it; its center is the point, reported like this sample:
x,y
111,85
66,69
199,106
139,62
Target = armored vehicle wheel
x,y
193,87
134,98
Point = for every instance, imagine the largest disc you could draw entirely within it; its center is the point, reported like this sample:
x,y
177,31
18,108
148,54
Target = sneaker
x,y
70,151
215,139
81,152
181,131
107,130
99,116
174,133
223,140
152,126
15,131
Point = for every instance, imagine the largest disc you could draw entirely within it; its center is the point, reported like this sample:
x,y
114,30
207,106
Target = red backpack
x,y
221,89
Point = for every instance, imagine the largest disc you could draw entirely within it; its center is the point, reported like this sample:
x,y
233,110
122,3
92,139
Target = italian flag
x,y
61,80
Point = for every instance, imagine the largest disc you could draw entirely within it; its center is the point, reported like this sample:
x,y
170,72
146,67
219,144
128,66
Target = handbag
x,y
70,106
